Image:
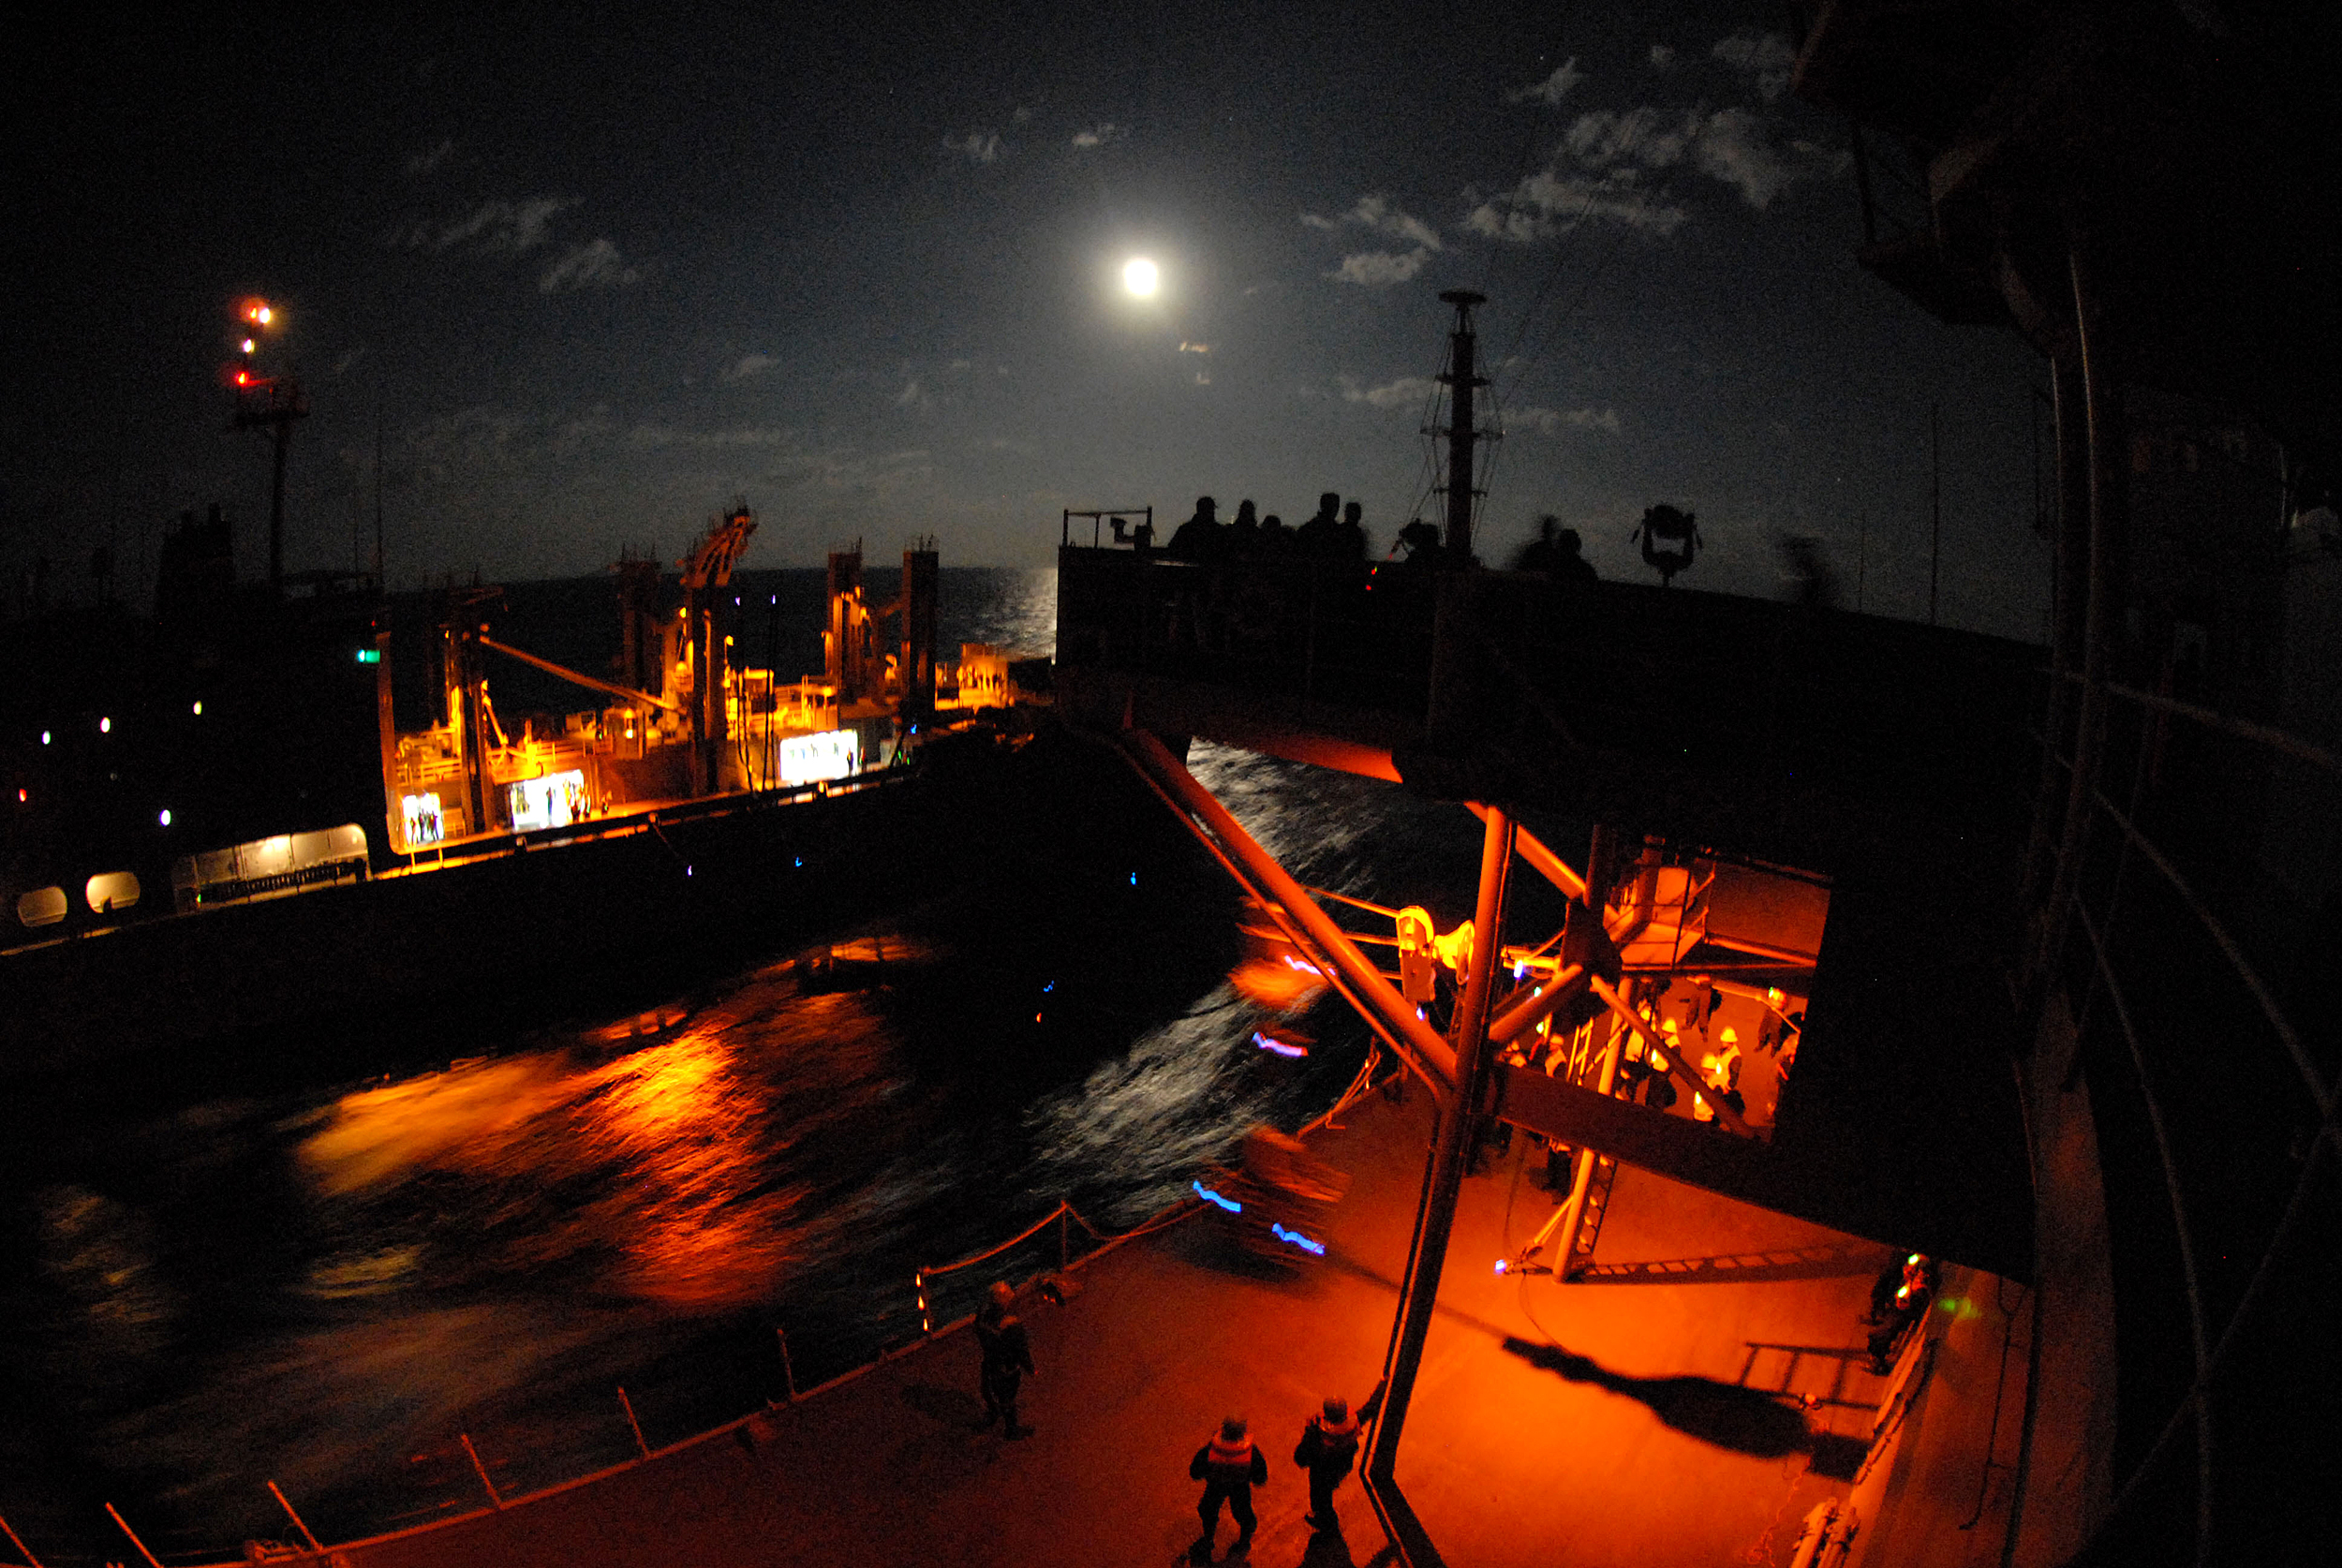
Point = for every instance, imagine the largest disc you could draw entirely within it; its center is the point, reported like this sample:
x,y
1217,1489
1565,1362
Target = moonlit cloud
x,y
1549,202
1552,422
1100,134
746,366
1662,57
1745,150
1382,215
1653,138
1376,269
424,163
1765,58
1187,348
977,146
913,396
499,228
594,264
1407,391
1553,89
1621,167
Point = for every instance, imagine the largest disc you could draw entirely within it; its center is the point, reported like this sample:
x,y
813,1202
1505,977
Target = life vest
x,y
1337,1441
1234,1456
1336,1434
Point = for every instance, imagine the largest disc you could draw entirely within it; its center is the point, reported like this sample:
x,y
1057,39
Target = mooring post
x,y
632,1424
299,1523
480,1468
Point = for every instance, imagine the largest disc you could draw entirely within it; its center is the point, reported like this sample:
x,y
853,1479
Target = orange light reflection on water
x,y
656,1164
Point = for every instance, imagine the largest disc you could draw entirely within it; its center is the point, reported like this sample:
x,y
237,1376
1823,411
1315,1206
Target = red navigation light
x,y
256,312
244,378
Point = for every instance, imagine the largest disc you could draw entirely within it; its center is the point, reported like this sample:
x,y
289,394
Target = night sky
x,y
592,271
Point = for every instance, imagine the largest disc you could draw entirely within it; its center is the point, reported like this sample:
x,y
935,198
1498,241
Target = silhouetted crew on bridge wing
x,y
1275,538
1244,533
1538,555
1570,567
1316,535
1007,1358
1421,541
1675,530
1350,534
1327,1449
1200,537
1229,1467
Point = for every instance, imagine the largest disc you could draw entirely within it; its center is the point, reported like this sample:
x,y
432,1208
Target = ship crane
x,y
706,571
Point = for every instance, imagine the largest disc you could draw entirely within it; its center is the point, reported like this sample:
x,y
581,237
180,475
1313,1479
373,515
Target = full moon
x,y
1140,277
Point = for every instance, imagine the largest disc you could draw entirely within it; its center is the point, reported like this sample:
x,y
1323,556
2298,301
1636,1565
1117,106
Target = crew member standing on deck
x,y
1007,1358
1327,1449
1229,1467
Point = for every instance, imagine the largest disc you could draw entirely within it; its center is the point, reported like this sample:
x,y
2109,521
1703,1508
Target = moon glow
x,y
1140,277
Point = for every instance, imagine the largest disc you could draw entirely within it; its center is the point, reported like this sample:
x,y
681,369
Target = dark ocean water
x,y
325,1282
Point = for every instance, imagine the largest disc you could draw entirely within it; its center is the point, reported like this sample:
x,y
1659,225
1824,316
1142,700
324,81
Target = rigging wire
x,y
1492,251
1594,274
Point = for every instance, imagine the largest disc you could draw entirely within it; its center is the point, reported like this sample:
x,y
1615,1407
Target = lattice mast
x,y
1461,379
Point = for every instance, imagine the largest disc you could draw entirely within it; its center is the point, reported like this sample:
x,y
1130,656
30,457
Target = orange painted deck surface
x,y
1591,1461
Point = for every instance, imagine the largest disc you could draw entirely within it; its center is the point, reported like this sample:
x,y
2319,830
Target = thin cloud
x,y
1662,57
1553,89
1743,148
913,396
1376,269
1382,215
1653,138
746,366
652,437
1552,422
1407,391
1187,348
1551,203
499,228
1602,171
977,146
594,264
424,163
1764,58
1100,134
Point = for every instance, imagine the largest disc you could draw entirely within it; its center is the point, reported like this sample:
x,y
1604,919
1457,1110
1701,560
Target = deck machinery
x,y
684,721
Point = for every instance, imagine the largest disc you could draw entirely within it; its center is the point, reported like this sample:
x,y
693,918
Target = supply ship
x,y
183,787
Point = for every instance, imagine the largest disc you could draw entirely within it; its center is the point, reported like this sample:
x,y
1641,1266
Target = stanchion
x,y
476,1465
299,1523
788,1370
636,1426
133,1536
